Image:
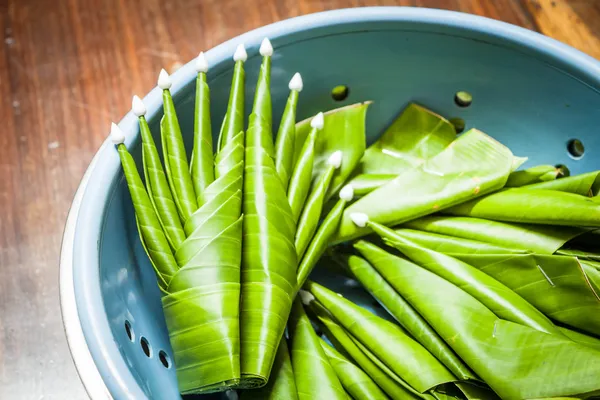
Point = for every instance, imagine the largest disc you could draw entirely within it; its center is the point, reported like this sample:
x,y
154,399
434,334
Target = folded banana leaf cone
x,y
517,360
315,376
269,259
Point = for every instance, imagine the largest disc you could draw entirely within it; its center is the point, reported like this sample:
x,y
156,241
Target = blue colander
x,y
532,93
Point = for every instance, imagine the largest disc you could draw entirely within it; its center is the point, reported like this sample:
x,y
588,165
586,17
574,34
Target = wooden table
x,y
68,69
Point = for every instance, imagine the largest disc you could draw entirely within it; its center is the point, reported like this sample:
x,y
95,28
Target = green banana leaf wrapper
x,y
269,259
285,140
353,379
201,163
233,123
387,341
529,176
344,130
453,176
516,361
587,184
202,305
315,376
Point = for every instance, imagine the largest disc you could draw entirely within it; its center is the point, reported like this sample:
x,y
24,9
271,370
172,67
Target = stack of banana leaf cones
x,y
488,274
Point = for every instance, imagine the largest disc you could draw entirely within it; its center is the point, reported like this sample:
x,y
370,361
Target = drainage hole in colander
x,y
459,124
146,348
575,148
129,331
164,359
463,99
563,170
340,92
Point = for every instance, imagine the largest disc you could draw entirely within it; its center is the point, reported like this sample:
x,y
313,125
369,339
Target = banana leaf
x,y
453,176
353,379
387,341
516,361
151,233
284,141
391,384
227,158
536,206
302,174
414,137
344,130
407,317
201,167
581,338
476,392
202,308
315,377
585,184
543,239
556,285
529,176
269,258
321,238
176,163
366,183
311,213
592,270
582,255
281,385
493,294
158,188
233,123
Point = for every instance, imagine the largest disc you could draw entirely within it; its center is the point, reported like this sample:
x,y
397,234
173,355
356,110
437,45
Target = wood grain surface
x,y
69,68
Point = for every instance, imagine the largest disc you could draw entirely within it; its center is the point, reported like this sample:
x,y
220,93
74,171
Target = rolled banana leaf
x,y
516,361
233,123
529,176
158,188
301,178
315,377
366,183
493,294
585,184
227,158
407,317
582,255
286,135
311,213
353,379
176,162
387,341
201,167
344,130
151,233
535,206
282,384
455,175
202,306
414,137
269,258
581,338
543,239
558,286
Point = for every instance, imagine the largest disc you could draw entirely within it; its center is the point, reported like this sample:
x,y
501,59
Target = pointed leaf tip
x,y
335,159
240,53
201,63
347,193
306,297
164,80
116,134
359,219
138,107
266,48
318,121
296,82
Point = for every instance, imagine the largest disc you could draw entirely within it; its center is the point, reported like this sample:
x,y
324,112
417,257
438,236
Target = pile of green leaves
x,y
488,272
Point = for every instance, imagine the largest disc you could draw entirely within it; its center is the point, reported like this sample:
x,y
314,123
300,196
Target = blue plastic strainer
x,y
532,93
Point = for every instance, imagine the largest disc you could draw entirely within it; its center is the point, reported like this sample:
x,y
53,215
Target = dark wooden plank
x,y
68,68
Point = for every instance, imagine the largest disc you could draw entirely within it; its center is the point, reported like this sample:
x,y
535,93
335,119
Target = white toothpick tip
x,y
240,53
359,219
335,159
164,80
266,49
318,121
296,82
347,193
116,134
138,107
201,63
306,297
